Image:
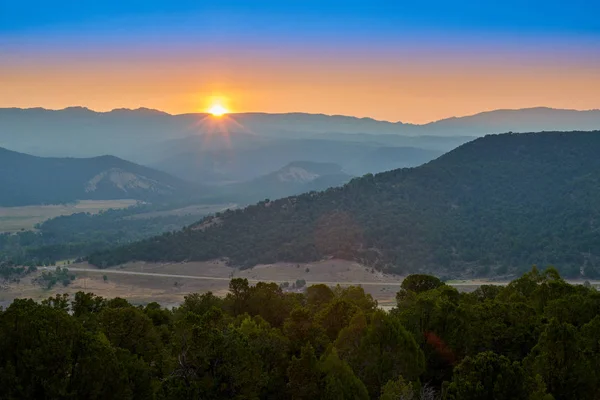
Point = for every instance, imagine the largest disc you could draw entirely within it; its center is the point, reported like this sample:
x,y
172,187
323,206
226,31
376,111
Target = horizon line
x,y
154,110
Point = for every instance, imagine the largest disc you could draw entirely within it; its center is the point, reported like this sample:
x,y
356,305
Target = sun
x,y
217,110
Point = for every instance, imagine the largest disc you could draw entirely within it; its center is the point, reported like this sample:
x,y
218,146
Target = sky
x,y
391,60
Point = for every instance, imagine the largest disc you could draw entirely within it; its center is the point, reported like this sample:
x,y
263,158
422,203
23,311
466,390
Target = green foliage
x,y
328,378
488,376
50,278
560,361
302,328
493,325
77,235
200,304
318,295
131,329
304,376
339,381
535,339
335,316
383,351
10,273
419,283
45,353
398,389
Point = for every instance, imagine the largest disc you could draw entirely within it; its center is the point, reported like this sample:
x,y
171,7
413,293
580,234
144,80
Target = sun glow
x,y
217,110
216,124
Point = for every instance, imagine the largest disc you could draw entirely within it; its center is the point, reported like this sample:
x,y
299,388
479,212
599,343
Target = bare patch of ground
x,y
382,287
168,283
321,271
136,289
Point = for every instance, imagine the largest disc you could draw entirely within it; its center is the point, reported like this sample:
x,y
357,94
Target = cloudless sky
x,y
412,61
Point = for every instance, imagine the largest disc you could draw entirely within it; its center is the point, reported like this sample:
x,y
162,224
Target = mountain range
x,y
220,159
81,132
27,180
238,148
495,205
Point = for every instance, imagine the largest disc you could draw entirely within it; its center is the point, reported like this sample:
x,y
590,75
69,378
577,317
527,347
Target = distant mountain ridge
x,y
536,119
27,180
78,131
493,206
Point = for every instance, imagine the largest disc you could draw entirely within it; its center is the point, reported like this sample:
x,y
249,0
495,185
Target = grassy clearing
x,y
13,219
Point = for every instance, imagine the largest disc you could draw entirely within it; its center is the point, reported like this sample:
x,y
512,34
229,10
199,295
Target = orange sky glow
x,y
415,90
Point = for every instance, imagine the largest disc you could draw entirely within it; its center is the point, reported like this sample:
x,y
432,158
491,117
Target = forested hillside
x,y
75,236
535,339
27,180
493,206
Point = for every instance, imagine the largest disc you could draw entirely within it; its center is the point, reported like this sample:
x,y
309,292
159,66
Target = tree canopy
x,y
527,340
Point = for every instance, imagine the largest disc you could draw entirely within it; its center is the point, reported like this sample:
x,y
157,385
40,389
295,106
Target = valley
x,y
299,200
168,283
331,243
407,220
422,219
13,219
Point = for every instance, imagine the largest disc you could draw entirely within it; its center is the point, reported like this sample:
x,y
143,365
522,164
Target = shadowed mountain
x,y
494,205
27,180
295,178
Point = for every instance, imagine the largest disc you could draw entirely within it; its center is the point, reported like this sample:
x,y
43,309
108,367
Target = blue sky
x,y
414,61
548,17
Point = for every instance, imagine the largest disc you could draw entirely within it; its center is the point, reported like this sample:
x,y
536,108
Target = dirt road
x,y
213,278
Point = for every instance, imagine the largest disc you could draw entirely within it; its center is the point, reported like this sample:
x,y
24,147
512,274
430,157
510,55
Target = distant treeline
x,y
75,236
535,339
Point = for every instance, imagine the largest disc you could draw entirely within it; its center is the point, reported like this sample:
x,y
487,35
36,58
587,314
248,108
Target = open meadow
x,y
168,283
14,219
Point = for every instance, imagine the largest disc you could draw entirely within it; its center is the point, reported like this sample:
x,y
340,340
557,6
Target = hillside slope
x,y
27,180
499,203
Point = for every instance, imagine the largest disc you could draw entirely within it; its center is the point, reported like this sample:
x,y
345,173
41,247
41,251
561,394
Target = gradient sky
x,y
393,60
